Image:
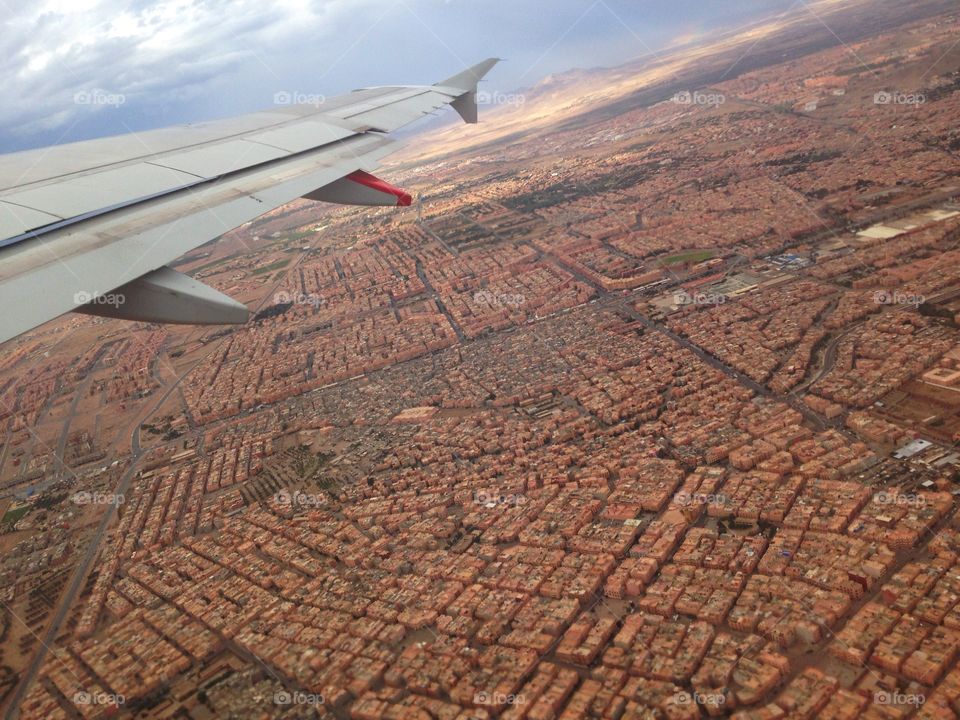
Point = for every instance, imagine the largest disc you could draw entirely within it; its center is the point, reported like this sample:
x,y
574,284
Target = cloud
x,y
174,61
153,53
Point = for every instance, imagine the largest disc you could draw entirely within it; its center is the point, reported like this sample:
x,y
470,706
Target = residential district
x,y
653,413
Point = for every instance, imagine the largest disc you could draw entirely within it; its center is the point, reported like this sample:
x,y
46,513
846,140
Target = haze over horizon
x,y
79,70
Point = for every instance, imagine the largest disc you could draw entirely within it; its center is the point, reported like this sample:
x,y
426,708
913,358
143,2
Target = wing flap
x,y
16,219
301,136
220,158
395,112
34,166
82,194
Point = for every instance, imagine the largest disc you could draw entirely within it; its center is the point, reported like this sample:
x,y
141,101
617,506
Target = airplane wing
x,y
91,226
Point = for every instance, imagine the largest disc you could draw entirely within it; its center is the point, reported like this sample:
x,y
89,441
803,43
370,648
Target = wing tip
x,y
467,80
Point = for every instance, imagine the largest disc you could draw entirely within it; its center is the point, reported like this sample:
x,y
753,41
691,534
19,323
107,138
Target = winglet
x,y
466,82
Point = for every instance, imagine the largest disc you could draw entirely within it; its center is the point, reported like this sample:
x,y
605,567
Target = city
x,y
650,414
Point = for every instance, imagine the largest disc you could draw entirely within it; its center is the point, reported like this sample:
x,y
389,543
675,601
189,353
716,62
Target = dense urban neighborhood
x,y
652,412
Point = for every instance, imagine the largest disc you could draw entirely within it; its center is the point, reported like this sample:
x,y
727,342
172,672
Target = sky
x,y
78,69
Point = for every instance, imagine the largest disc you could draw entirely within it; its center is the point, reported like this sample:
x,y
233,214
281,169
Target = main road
x,y
624,303
77,580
